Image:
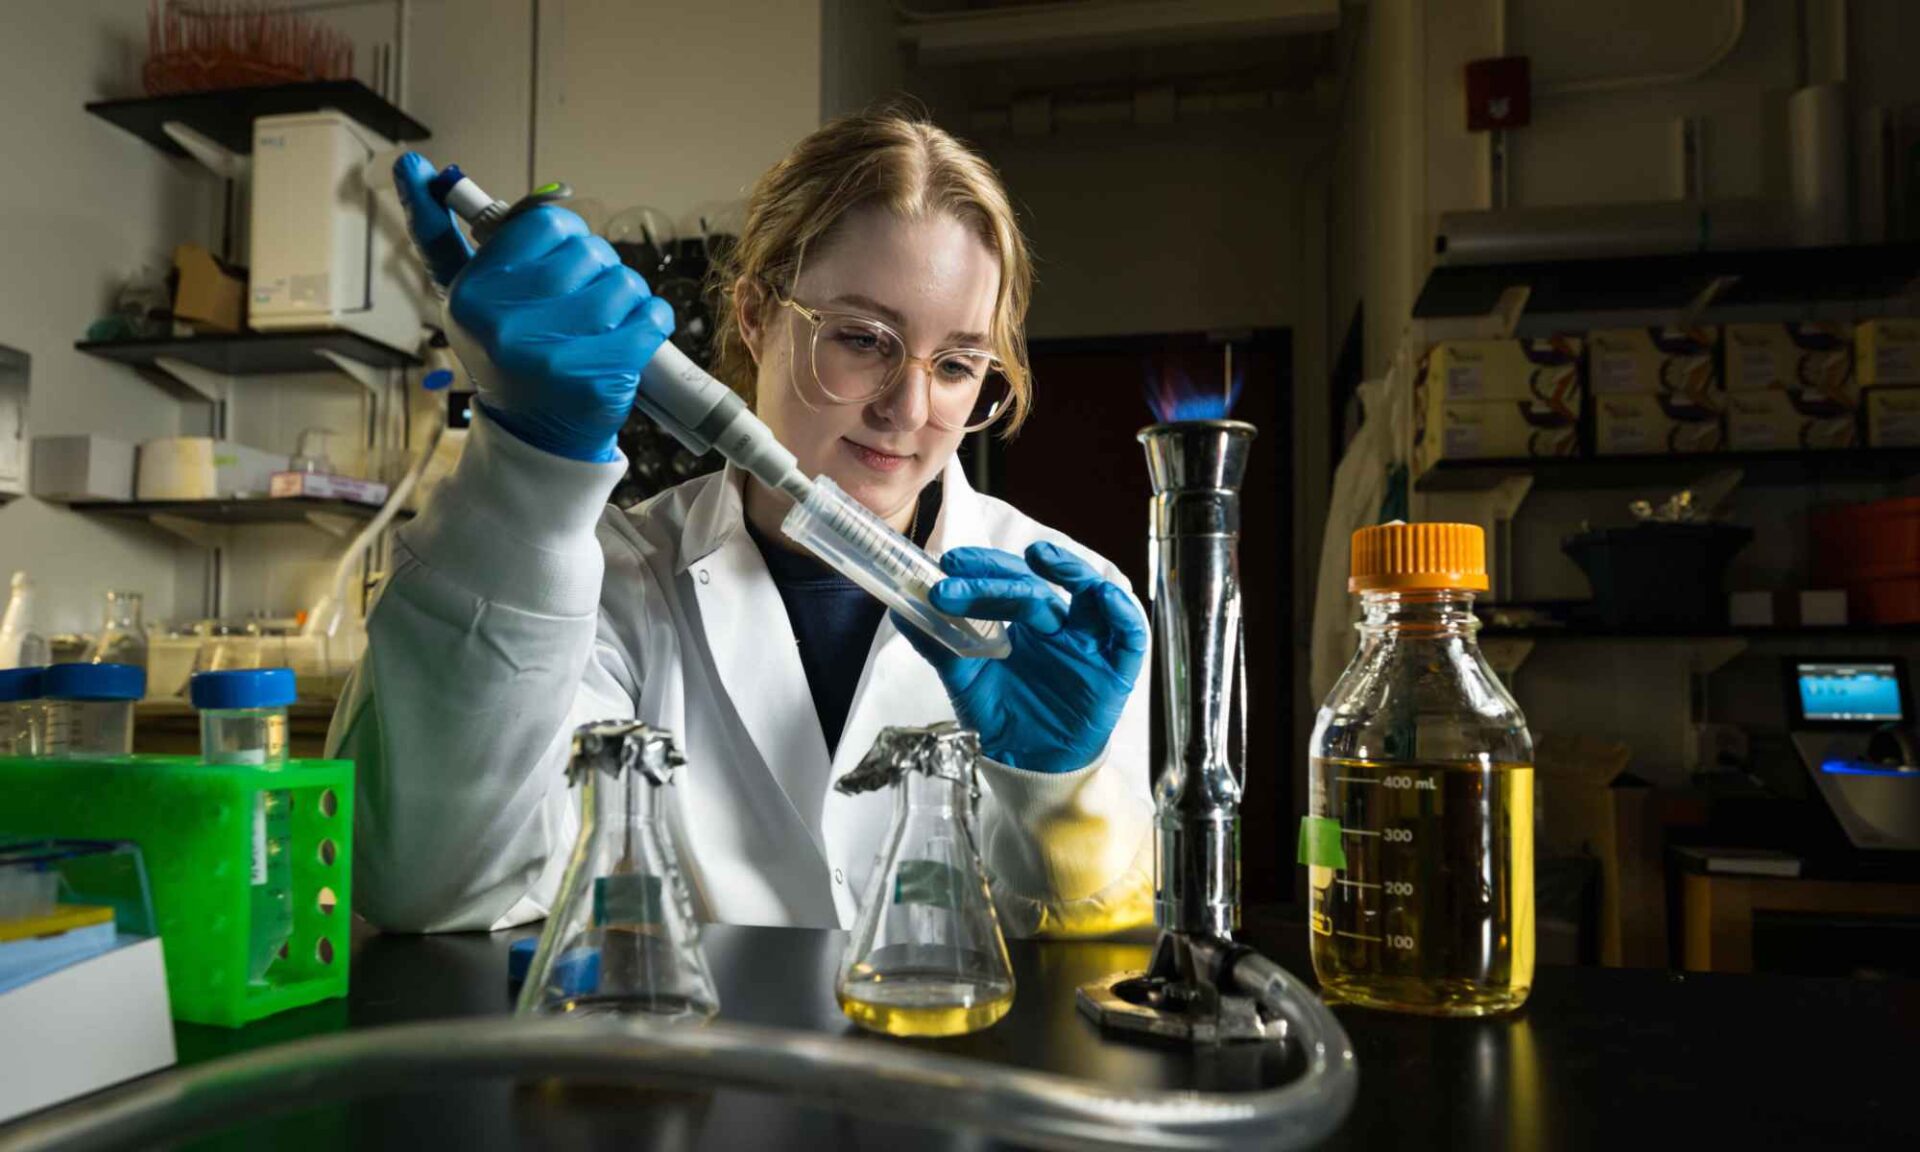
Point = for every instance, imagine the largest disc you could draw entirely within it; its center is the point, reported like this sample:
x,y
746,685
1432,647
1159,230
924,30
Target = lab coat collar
x,y
718,510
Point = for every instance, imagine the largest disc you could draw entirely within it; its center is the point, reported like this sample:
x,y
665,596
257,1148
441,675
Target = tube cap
x,y
243,688
94,682
1401,557
20,684
443,182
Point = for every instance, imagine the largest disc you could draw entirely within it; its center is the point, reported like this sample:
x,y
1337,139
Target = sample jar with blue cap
x,y
22,719
243,714
243,722
89,709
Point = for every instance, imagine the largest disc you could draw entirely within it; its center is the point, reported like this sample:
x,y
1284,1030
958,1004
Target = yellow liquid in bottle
x,y
1433,911
907,1004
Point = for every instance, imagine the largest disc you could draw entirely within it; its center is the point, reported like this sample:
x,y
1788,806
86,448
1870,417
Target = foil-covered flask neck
x,y
617,746
944,750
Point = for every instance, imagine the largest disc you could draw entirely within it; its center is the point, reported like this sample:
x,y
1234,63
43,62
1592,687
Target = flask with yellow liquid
x,y
1419,837
926,957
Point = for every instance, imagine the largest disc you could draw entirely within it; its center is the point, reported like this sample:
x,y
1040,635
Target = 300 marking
x,y
1397,835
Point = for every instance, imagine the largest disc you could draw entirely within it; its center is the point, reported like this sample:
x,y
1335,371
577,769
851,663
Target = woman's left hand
x,y
1053,702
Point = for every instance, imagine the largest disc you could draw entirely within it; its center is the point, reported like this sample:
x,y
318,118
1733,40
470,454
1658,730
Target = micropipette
x,y
704,414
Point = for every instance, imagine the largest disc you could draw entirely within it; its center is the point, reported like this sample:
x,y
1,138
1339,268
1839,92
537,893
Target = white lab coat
x,y
521,606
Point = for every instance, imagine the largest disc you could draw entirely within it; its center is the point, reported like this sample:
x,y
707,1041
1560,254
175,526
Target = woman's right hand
x,y
553,327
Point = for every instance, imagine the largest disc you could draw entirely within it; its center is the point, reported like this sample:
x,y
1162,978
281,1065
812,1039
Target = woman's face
x,y
932,281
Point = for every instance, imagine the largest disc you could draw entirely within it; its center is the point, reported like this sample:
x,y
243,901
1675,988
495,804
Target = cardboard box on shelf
x,y
326,486
1812,358
1470,430
1783,420
1674,361
1481,399
1893,417
1642,423
1888,351
1546,371
209,295
88,467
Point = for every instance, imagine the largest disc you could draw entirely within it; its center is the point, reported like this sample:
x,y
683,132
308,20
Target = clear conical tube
x,y
866,549
622,939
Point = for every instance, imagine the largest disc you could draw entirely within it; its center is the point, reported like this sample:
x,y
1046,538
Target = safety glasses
x,y
856,359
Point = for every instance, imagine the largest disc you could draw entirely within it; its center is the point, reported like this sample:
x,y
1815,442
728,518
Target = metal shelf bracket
x,y
192,531
337,526
366,375
213,387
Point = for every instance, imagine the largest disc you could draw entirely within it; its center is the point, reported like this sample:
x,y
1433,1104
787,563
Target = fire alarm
x,y
1499,94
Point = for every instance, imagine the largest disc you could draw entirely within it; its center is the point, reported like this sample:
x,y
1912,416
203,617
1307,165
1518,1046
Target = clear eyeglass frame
x,y
991,373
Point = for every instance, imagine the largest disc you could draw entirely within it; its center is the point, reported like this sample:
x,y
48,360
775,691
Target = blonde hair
x,y
889,159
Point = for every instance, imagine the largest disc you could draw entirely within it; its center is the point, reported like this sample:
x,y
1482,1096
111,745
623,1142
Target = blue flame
x,y
1173,396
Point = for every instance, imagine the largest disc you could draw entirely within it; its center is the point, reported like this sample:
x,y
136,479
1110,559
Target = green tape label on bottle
x,y
927,882
626,898
1320,843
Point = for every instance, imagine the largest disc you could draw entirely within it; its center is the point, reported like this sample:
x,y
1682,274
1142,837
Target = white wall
x,y
861,60
86,205
470,81
673,104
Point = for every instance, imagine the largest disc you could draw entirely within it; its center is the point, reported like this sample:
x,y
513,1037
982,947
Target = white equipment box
x,y
324,255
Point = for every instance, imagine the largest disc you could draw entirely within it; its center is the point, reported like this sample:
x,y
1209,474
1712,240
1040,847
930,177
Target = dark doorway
x,y
1077,467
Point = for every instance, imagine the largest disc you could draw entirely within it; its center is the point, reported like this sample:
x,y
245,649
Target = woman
x,y
878,293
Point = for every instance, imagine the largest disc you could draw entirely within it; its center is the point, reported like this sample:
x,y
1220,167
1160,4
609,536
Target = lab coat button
x,y
839,877
704,578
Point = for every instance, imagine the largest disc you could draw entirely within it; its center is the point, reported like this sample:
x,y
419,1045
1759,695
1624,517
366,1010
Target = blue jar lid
x,y
94,682
20,684
576,973
243,688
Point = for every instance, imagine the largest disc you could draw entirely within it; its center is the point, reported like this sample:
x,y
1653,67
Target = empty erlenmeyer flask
x,y
621,939
926,957
123,639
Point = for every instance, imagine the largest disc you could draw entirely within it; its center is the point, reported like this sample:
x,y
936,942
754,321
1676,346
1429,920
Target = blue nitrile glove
x,y
1053,702
554,328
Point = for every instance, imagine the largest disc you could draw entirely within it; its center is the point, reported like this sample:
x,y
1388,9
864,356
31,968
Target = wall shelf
x,y
1765,277
1594,632
290,510
1854,465
253,353
210,523
226,116
204,367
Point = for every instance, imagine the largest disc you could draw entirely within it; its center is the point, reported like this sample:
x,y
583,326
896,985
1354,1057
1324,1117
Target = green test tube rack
x,y
194,825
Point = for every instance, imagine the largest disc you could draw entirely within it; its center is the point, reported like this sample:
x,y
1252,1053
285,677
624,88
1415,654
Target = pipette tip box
x,y
83,986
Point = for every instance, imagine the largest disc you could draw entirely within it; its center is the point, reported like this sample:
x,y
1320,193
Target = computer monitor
x,y
1824,692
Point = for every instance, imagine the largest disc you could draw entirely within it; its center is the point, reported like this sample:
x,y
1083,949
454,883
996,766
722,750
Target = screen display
x,y
1859,692
459,409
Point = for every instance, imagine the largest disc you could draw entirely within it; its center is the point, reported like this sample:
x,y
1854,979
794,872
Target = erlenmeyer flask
x,y
621,939
926,957
123,639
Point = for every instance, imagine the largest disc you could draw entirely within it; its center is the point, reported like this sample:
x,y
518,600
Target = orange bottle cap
x,y
1401,557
